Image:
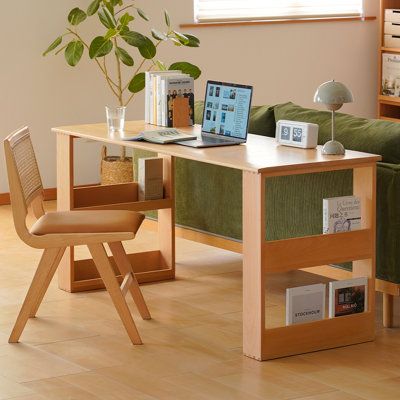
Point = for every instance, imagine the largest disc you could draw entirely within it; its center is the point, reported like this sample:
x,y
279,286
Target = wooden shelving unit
x,y
388,107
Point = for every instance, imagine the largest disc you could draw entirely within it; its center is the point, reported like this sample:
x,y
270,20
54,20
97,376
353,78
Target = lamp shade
x,y
332,92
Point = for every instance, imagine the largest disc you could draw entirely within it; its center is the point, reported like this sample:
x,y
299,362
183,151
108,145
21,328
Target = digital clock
x,y
297,134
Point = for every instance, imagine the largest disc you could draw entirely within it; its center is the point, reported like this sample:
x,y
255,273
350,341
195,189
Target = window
x,y
244,10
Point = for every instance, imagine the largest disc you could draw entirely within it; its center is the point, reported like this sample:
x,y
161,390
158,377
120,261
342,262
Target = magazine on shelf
x,y
391,75
305,304
348,297
341,214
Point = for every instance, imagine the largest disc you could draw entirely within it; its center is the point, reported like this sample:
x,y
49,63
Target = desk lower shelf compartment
x,y
149,266
122,196
318,335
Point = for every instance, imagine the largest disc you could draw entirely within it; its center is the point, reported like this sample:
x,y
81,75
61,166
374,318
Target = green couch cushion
x,y
368,135
262,119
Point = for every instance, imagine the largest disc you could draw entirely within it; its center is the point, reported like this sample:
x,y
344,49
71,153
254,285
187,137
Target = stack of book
x,y
166,91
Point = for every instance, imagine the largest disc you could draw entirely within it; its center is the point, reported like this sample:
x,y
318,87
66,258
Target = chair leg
x,y
35,291
110,281
125,267
45,286
388,310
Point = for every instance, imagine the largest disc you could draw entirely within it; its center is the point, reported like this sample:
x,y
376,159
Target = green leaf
x,y
73,52
53,45
109,6
167,18
133,38
110,33
137,83
158,35
116,2
148,50
175,41
181,37
93,7
124,56
76,16
193,41
106,18
161,66
125,19
142,14
100,47
186,68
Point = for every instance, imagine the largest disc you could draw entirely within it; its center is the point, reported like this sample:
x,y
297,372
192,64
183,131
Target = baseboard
x,y
48,194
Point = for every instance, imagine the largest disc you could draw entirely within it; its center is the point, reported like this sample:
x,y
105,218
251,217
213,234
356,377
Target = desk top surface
x,y
260,154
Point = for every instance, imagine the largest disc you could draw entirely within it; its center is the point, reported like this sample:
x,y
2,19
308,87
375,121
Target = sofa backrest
x,y
361,134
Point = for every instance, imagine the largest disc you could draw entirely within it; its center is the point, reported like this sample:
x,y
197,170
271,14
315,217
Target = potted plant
x,y
132,52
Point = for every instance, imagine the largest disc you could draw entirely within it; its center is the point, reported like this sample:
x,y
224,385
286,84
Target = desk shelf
x,y
122,196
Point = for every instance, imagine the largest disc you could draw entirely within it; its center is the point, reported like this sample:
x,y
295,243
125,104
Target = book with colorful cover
x,y
173,88
348,297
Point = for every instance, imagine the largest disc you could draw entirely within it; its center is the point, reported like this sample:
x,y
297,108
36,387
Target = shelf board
x,y
390,119
389,99
391,49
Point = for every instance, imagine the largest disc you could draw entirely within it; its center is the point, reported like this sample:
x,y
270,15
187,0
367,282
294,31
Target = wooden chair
x,y
55,231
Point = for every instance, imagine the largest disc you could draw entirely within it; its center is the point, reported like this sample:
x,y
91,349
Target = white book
x,y
341,214
348,297
305,304
391,74
149,91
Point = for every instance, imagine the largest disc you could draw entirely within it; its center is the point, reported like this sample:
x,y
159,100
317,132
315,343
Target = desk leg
x,y
166,217
364,186
253,273
65,202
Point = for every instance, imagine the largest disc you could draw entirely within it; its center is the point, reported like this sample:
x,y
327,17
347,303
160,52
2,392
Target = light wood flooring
x,y
77,347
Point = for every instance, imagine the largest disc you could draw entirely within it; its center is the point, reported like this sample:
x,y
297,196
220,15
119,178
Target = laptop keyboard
x,y
215,140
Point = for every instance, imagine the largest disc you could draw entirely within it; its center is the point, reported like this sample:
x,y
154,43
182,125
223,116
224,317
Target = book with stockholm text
x,y
348,297
305,304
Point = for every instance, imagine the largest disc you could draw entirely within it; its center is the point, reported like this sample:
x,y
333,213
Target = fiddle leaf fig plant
x,y
121,44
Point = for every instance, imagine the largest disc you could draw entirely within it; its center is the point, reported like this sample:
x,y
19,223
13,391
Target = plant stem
x,y
122,9
139,68
119,75
107,77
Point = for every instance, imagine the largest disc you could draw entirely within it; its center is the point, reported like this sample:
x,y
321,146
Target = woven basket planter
x,y
115,169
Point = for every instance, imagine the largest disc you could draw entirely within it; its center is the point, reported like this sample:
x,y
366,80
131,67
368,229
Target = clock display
x,y
285,132
297,134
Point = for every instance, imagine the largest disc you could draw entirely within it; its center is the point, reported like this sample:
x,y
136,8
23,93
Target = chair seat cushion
x,y
102,221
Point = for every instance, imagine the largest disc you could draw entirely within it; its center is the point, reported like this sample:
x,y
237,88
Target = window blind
x,y
231,10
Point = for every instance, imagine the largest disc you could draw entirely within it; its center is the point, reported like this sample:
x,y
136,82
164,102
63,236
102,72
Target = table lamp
x,y
333,95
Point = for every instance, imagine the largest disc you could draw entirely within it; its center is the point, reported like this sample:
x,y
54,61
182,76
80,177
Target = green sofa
x,y
209,197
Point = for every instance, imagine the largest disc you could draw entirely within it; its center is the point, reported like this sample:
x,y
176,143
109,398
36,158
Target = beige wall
x,y
283,62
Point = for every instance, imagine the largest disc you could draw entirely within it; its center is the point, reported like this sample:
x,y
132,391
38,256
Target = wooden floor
x,y
77,348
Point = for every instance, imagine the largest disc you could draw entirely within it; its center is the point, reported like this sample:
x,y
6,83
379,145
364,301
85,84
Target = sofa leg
x,y
388,310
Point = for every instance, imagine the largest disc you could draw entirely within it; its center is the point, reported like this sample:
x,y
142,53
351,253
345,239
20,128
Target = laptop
x,y
225,117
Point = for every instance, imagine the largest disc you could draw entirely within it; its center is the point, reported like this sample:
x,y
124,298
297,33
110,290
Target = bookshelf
x,y
388,107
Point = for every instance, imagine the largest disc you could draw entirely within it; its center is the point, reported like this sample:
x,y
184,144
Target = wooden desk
x,y
259,159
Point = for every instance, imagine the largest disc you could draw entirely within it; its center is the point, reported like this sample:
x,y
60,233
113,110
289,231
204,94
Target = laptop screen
x,y
227,109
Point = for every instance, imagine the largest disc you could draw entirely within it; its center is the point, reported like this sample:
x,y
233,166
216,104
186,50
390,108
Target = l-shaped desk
x,y
260,158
